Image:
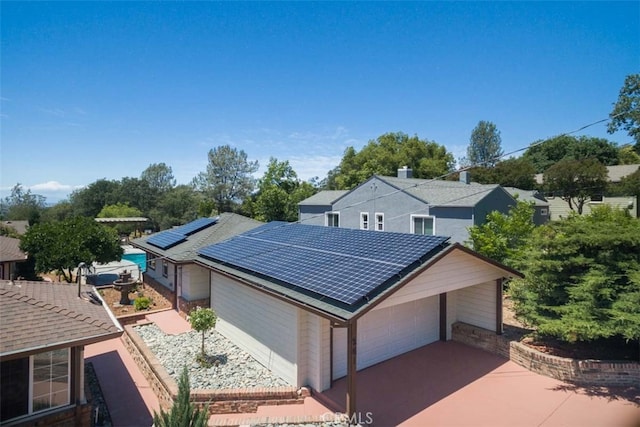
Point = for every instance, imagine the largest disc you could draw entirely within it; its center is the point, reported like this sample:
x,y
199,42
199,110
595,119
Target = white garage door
x,y
388,332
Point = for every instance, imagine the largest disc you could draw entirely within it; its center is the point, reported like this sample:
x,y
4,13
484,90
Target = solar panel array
x,y
342,264
169,238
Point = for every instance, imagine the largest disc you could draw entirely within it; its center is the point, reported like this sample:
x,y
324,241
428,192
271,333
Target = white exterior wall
x,y
387,332
156,274
476,305
456,270
261,325
195,282
314,362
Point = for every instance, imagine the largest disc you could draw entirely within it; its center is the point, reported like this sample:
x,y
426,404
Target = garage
x,y
387,332
315,304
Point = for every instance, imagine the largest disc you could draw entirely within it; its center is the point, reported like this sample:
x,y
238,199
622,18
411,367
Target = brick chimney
x,y
405,172
465,177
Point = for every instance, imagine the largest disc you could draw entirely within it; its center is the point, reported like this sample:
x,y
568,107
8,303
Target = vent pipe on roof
x,y
465,177
405,172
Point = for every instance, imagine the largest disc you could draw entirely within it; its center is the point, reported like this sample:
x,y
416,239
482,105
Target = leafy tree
x,y
202,319
22,205
90,200
9,232
575,181
628,156
279,192
177,206
159,176
545,154
183,412
62,245
228,178
58,212
630,185
513,172
582,277
502,236
119,210
385,155
626,111
485,145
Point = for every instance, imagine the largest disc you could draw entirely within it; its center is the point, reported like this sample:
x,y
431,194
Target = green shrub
x,y
142,303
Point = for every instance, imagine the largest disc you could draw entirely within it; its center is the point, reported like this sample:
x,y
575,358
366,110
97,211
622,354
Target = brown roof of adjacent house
x,y
20,226
10,250
42,315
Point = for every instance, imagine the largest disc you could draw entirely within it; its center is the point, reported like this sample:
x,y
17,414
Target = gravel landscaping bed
x,y
232,367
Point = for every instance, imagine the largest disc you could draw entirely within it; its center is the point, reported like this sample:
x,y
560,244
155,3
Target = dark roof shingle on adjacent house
x,y
43,315
227,225
10,250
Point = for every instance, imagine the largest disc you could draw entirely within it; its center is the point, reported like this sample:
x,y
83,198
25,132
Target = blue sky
x,y
103,89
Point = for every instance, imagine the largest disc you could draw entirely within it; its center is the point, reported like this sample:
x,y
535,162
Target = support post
x,y
352,343
499,307
443,316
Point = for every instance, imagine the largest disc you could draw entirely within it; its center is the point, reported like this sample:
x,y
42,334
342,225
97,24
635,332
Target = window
x,y
165,268
379,222
596,198
364,220
332,219
151,261
544,211
422,224
35,383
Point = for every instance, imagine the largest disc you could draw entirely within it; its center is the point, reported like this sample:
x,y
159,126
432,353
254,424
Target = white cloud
x,y
53,186
308,167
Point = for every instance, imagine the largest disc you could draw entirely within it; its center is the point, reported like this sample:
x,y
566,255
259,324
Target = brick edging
x,y
604,373
223,401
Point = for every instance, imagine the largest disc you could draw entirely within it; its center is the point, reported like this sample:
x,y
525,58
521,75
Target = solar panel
x,y
342,264
195,226
166,239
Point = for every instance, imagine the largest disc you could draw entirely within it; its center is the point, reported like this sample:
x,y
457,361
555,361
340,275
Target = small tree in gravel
x,y
183,412
202,319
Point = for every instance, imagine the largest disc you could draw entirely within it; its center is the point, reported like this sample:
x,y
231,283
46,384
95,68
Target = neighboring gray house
x,y
171,254
540,204
408,205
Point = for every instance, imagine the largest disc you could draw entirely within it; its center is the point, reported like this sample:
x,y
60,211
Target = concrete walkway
x,y
128,395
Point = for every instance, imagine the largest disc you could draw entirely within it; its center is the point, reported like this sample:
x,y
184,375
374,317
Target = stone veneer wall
x,y
220,401
584,372
185,306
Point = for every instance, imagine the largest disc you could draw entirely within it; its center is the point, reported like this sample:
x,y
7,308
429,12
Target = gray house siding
x,y
396,207
453,222
498,200
312,215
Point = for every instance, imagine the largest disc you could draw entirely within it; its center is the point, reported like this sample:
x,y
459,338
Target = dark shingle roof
x,y
442,193
10,250
228,225
38,315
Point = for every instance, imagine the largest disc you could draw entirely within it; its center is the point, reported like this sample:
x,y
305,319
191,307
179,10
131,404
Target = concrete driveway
x,y
451,384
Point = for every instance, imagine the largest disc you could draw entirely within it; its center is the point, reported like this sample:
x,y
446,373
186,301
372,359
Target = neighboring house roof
x,y
324,198
442,193
227,225
10,250
615,173
21,227
528,196
44,315
336,271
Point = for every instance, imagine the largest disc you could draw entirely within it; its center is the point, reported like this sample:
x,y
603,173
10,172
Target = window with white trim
x,y
379,222
151,261
544,211
332,219
165,268
35,383
364,220
423,224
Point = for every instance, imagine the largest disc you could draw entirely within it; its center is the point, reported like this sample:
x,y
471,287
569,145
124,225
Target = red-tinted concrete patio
x,y
442,384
